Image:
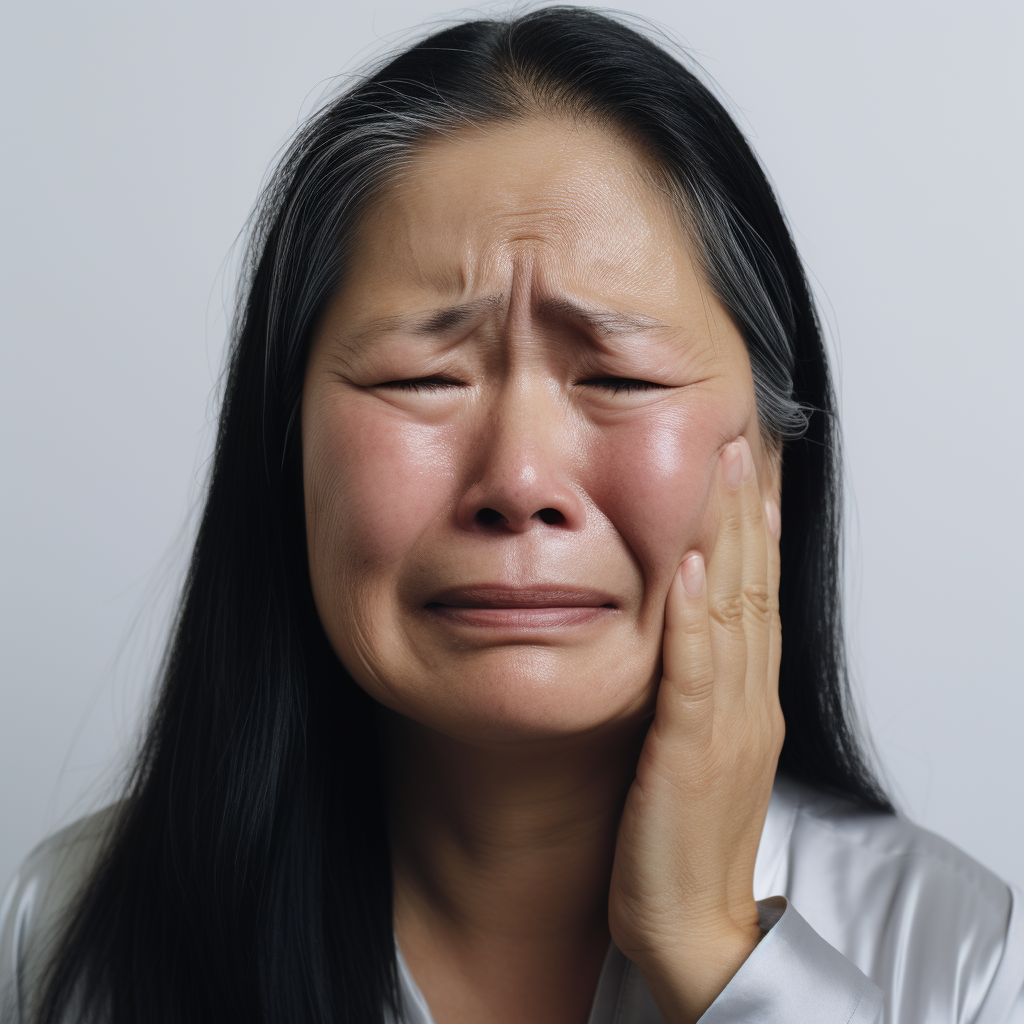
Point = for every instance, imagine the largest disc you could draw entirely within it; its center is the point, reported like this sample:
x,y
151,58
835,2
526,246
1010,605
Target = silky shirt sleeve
x,y
794,975
878,920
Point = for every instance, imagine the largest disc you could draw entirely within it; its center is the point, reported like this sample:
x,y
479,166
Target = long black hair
x,y
248,875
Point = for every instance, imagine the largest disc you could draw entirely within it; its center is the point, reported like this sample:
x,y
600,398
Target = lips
x,y
516,609
542,596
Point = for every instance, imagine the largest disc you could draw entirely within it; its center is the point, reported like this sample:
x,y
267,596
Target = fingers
x,y
722,634
755,596
688,673
737,574
743,576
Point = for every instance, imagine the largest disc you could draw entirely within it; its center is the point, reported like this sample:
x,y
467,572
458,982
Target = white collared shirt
x,y
867,918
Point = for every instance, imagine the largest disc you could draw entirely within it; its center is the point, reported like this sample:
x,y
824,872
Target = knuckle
x,y
757,600
728,611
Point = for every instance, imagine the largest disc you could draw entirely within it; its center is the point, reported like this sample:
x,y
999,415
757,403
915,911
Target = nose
x,y
522,476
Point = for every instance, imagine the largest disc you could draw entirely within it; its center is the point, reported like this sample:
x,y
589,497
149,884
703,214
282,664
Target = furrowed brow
x,y
456,316
601,321
440,320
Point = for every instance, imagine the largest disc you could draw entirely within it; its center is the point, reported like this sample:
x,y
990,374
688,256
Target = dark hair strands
x,y
247,876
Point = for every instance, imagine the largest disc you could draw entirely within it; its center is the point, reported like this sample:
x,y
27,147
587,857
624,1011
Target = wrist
x,y
687,974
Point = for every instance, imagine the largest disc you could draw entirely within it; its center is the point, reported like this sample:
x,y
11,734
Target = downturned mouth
x,y
522,597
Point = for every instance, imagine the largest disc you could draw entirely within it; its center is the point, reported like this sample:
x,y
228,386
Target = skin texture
x,y
524,386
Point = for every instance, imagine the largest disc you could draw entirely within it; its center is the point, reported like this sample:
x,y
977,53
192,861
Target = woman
x,y
478,706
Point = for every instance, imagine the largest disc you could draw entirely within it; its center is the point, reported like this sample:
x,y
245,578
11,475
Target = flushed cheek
x,y
654,479
375,483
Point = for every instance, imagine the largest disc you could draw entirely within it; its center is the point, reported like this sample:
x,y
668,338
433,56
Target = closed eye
x,y
622,384
435,383
616,385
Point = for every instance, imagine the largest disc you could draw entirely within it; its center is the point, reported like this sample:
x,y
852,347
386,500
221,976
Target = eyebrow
x,y
605,322
601,321
450,317
440,320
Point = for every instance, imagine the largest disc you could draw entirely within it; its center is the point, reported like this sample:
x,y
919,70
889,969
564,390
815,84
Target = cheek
x,y
654,481
373,482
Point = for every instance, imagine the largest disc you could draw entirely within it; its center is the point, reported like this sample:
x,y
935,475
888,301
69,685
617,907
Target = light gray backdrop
x,y
135,137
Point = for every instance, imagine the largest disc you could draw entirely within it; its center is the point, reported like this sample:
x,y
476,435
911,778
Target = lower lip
x,y
525,619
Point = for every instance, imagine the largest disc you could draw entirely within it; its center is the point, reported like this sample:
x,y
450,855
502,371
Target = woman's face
x,y
511,418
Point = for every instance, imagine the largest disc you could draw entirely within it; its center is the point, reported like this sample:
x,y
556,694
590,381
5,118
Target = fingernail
x,y
773,518
692,572
732,465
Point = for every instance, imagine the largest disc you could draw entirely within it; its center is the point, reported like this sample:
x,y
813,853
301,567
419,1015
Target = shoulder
x,y
917,914
892,859
37,900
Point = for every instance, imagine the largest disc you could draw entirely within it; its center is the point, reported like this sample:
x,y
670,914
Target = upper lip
x,y
539,595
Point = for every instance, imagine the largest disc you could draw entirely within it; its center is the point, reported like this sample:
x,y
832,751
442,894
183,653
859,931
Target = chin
x,y
532,696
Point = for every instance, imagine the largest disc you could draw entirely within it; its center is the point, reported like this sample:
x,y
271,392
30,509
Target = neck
x,y
502,856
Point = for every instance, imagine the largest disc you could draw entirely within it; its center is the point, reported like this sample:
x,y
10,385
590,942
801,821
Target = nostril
x,y
488,517
551,516
492,517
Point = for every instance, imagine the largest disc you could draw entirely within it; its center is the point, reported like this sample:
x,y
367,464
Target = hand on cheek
x,y
681,903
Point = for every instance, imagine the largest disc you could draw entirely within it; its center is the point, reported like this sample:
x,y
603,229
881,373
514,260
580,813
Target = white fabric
x,y
894,925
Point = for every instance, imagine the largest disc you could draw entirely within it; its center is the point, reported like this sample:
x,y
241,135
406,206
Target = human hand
x,y
681,903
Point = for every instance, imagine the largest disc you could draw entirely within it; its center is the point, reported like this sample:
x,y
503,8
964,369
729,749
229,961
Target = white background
x,y
135,137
